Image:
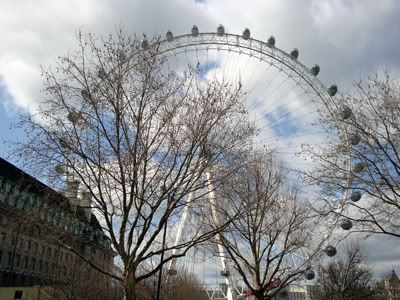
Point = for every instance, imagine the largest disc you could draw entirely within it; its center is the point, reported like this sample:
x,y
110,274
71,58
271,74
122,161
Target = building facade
x,y
50,241
391,286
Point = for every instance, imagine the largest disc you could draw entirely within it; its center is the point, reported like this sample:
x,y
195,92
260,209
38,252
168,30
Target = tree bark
x,y
130,285
259,295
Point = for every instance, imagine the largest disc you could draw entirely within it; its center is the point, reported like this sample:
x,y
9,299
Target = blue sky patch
x,y
4,94
205,68
281,122
7,119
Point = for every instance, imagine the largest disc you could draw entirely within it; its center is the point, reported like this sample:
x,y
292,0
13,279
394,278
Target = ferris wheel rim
x,y
250,44
259,49
254,46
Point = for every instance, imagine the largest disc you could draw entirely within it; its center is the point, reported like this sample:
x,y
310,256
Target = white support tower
x,y
221,253
179,233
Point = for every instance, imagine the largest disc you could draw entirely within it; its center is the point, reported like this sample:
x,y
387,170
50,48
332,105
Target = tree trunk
x,y
130,285
259,295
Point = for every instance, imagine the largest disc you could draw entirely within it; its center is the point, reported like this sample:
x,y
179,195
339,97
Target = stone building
x,y
391,286
49,241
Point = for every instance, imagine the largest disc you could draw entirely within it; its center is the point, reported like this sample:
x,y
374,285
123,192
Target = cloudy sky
x,y
348,39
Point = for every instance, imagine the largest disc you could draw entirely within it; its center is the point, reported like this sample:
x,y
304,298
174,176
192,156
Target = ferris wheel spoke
x,y
267,84
266,110
282,118
283,97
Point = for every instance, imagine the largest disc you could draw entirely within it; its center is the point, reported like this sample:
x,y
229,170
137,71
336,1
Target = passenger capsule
x,y
85,95
225,273
169,36
358,167
355,139
72,117
315,70
195,31
355,196
63,143
295,53
101,74
309,274
271,41
332,90
346,113
220,30
346,224
145,44
330,251
246,34
121,55
60,169
172,272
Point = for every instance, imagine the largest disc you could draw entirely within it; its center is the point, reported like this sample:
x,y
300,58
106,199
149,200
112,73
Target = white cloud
x,y
344,37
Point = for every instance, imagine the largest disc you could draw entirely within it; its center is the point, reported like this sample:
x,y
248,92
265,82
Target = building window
x,y
9,258
1,256
18,295
26,260
21,243
43,249
33,264
3,237
17,261
8,187
35,248
20,203
13,239
40,265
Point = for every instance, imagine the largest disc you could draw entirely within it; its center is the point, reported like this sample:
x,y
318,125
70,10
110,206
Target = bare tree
x,y
42,254
388,288
345,279
184,285
139,139
267,243
81,281
362,160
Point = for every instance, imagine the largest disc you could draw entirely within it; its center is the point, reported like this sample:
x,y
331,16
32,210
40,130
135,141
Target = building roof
x,y
16,175
392,278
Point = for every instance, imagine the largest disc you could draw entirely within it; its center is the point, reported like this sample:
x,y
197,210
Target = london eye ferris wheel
x,y
284,99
